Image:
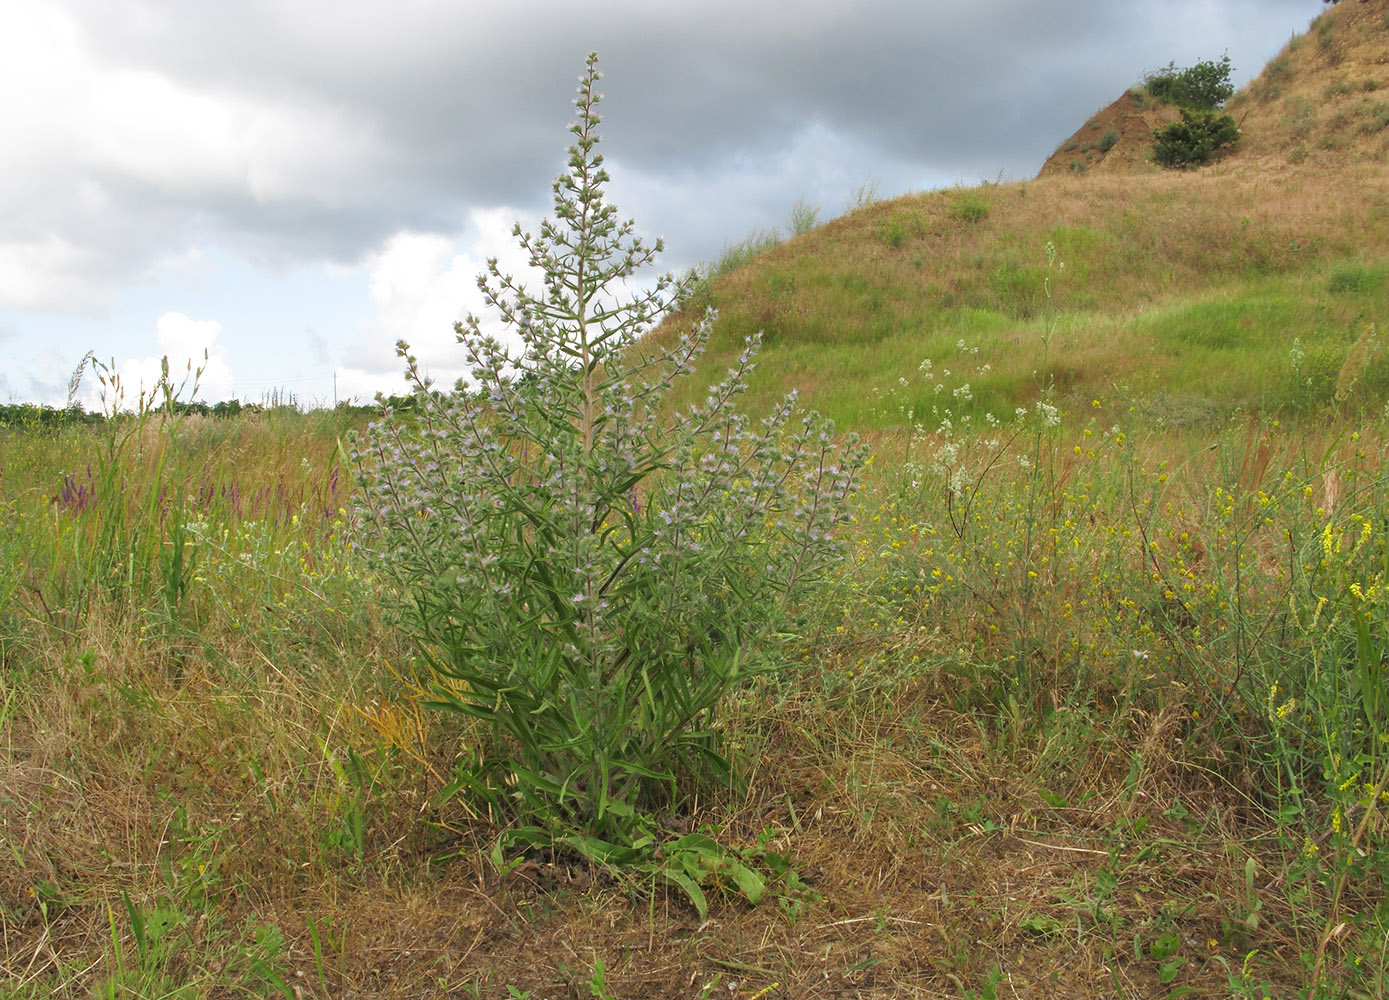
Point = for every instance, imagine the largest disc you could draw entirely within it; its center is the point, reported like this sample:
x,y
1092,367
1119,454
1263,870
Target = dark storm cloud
x,y
383,117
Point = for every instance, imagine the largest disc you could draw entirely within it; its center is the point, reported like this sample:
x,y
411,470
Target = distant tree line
x,y
34,415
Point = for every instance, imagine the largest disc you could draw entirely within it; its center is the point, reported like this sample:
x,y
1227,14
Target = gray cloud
x,y
316,130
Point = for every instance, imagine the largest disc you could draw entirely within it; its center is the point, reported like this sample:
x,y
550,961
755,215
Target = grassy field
x,y
1095,707
1087,713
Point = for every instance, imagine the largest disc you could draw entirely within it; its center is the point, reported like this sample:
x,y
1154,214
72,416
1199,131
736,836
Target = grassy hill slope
x,y
1168,278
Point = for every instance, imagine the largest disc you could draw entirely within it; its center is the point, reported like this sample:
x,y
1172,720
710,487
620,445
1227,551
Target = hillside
x,y
1116,139
1170,277
1324,97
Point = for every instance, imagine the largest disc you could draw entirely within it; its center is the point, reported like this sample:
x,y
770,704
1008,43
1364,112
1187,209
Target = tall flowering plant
x,y
586,572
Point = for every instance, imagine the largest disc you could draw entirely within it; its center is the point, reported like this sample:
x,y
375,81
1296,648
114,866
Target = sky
x,y
279,192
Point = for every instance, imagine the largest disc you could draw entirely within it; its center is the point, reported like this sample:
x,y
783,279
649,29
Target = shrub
x,y
1108,140
970,208
744,252
1204,86
804,217
584,574
1378,118
894,232
1194,140
731,257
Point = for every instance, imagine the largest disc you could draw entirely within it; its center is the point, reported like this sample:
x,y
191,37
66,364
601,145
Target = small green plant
x,y
1353,278
988,986
804,217
1378,118
1164,951
1194,140
862,196
700,293
584,576
1330,46
970,207
696,860
1108,140
598,982
154,963
1242,981
134,544
894,232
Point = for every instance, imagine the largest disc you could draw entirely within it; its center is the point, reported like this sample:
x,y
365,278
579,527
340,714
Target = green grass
x,y
1066,636
1233,346
872,324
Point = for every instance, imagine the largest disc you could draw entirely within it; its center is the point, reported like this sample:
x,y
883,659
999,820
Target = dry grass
x,y
929,854
1321,99
946,823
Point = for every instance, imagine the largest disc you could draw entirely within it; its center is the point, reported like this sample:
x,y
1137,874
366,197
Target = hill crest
x,y
1323,99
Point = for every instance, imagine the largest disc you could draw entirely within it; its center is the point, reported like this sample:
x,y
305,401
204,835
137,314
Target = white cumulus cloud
x,y
421,285
110,167
194,356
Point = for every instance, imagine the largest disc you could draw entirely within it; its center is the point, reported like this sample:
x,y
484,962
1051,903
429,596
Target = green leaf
x,y
1164,946
1367,659
691,889
137,926
270,977
749,883
606,852
1167,971
1042,924
699,844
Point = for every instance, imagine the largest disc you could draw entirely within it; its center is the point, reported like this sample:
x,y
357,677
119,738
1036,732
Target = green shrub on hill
x,y
1204,86
1192,141
970,207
